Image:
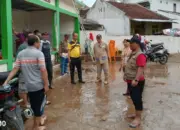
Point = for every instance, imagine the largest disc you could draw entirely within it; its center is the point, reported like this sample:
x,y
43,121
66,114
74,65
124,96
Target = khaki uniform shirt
x,y
101,51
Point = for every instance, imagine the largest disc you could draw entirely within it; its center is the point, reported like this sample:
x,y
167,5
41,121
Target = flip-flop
x,y
134,126
42,128
48,102
43,120
131,116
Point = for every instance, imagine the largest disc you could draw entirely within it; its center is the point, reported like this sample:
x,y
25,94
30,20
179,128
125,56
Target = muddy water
x,y
98,107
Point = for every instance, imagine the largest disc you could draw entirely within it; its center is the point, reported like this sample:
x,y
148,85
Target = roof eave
x,y
152,20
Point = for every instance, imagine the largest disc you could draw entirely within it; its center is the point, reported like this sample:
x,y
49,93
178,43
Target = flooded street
x,y
94,106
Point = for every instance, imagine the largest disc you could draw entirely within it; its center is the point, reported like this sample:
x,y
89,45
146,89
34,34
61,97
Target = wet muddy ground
x,y
97,107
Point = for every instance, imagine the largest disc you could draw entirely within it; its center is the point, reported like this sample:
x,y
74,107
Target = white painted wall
x,y
66,25
67,5
113,19
3,68
170,43
172,16
155,5
21,20
166,5
41,20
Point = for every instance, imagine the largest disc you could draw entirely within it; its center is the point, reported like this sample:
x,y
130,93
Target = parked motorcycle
x,y
10,111
157,53
13,97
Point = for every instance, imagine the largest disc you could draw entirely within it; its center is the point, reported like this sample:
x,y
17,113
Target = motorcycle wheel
x,y
163,59
11,125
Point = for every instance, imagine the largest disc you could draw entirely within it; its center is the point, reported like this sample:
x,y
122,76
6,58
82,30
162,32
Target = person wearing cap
x,y
74,56
134,76
63,53
101,55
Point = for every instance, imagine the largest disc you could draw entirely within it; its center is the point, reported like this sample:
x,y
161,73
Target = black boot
x,y
81,81
72,82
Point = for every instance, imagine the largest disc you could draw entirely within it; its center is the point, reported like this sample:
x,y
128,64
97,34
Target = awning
x,y
153,20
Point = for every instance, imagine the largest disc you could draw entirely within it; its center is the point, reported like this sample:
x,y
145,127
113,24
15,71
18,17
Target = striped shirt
x,y
31,62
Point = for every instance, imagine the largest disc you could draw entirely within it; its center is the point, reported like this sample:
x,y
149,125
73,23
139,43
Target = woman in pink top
x,y
125,55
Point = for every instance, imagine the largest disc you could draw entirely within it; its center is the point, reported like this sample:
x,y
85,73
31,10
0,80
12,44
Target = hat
x,y
99,36
134,39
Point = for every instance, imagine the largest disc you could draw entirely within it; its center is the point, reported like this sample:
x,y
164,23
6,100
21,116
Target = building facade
x,y
57,17
169,8
127,19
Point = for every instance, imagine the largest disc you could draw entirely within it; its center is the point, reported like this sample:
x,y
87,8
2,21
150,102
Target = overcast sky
x,y
89,2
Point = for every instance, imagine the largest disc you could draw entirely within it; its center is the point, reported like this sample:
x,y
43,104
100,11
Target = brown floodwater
x,y
95,106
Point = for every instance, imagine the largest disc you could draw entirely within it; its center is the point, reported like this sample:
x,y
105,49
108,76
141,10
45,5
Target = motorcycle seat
x,y
3,76
157,44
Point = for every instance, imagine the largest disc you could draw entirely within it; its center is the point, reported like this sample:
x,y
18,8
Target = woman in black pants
x,y
134,75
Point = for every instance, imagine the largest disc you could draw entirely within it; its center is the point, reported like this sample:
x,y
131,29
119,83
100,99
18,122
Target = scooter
x,y
157,53
24,113
10,111
156,47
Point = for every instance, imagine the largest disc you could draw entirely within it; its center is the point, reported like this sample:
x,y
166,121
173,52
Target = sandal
x,y
40,128
43,120
48,102
134,124
131,116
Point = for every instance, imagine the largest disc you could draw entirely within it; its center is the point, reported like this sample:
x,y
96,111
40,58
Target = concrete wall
x,y
114,20
21,20
166,5
172,16
41,20
171,43
67,5
66,25
155,5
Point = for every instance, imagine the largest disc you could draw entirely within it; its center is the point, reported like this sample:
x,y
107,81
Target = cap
x,y
99,36
134,39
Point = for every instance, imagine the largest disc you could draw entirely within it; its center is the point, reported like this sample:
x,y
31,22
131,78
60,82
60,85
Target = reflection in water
x,y
102,102
156,70
112,71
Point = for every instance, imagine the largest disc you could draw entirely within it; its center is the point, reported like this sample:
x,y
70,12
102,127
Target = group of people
x,y
133,64
34,65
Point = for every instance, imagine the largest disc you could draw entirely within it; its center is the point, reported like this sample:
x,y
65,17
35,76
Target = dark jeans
x,y
136,94
50,72
64,65
76,62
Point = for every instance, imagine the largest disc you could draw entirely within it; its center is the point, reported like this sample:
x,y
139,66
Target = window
x,y
100,9
174,7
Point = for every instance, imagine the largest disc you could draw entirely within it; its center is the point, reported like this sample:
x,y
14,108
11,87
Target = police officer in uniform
x,y
74,56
